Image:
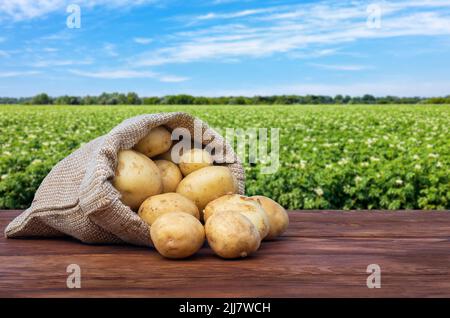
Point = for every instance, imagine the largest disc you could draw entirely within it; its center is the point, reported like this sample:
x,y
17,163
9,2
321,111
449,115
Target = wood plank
x,y
370,224
306,262
323,223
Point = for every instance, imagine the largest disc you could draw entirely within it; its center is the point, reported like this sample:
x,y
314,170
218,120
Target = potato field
x,y
331,157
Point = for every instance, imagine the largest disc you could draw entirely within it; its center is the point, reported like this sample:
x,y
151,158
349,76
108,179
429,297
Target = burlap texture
x,y
77,197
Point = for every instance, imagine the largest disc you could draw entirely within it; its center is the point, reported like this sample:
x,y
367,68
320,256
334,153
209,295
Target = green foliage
x,y
41,99
331,157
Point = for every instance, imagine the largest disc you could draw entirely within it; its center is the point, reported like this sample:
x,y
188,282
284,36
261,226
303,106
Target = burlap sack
x,y
77,197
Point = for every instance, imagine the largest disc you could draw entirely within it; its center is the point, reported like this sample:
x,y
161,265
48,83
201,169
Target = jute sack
x,y
77,197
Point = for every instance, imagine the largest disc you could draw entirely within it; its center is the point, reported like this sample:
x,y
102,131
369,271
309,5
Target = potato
x,y
177,235
157,205
157,141
206,184
171,175
193,160
136,178
239,203
278,217
231,234
165,155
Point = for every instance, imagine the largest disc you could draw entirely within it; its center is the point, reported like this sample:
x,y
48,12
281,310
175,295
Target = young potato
x,y
278,217
206,184
171,175
177,235
136,178
193,160
165,155
157,141
230,234
239,203
157,205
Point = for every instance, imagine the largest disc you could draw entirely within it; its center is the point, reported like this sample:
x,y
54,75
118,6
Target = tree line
x,y
183,99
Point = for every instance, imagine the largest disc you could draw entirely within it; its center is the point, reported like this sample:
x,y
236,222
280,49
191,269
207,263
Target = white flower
x,y
433,155
302,164
318,191
374,159
416,157
358,179
364,164
418,167
439,164
399,181
328,166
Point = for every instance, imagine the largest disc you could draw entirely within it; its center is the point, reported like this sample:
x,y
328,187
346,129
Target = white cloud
x,y
29,9
306,27
143,41
232,15
110,49
17,73
114,74
4,53
341,67
50,49
59,36
51,63
129,74
173,79
26,9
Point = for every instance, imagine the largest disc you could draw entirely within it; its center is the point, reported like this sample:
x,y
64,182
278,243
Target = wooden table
x,y
323,254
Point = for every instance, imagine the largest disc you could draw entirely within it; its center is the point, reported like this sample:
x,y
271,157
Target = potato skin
x,y
177,235
136,178
157,141
170,174
193,160
157,205
239,203
206,184
231,235
278,217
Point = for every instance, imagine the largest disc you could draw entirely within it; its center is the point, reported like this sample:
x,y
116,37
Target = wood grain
x,y
323,254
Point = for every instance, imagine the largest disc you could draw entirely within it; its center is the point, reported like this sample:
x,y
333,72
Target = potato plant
x,y
332,157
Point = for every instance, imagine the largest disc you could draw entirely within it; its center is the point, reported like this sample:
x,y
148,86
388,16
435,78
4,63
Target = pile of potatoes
x,y
184,203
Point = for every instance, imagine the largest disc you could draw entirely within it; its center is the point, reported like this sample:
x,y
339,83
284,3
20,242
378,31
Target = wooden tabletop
x,y
323,254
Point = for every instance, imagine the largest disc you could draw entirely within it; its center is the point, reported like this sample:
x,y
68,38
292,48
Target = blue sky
x,y
226,47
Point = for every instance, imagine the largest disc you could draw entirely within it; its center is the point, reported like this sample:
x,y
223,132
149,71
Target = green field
x,y
332,157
